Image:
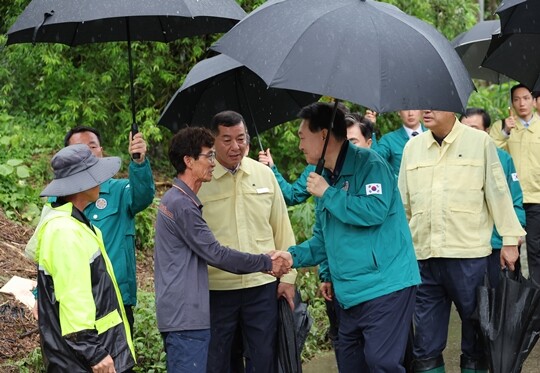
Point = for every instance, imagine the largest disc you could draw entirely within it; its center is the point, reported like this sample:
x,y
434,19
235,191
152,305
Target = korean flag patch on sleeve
x,y
373,189
515,177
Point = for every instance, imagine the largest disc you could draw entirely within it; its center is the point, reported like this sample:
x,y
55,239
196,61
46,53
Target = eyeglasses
x,y
211,155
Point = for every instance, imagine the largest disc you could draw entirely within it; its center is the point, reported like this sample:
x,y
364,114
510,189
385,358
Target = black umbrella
x,y
472,46
516,52
221,83
288,351
363,51
516,56
519,16
78,22
509,318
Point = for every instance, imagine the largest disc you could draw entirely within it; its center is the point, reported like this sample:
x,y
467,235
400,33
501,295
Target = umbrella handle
x,y
320,166
46,16
134,131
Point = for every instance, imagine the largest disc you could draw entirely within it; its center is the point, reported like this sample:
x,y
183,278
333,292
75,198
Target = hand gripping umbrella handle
x,y
134,131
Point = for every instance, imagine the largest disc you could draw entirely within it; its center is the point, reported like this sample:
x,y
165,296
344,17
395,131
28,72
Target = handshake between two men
x,y
281,263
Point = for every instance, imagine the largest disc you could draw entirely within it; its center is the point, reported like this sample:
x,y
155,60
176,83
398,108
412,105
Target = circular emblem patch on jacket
x,y
101,203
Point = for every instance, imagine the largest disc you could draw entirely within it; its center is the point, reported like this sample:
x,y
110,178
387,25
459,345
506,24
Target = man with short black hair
x,y
362,233
184,247
453,189
519,134
115,209
244,208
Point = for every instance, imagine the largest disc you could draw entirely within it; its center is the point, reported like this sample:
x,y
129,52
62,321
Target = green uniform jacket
x,y
391,145
515,191
81,318
294,193
362,231
114,213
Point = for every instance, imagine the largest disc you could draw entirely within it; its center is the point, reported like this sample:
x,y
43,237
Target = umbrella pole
x,y
243,92
134,127
320,164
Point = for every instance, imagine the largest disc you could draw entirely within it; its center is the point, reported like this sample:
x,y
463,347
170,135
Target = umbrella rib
x,y
163,32
72,43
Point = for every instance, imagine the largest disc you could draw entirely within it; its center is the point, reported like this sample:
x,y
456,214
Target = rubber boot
x,y
473,365
430,365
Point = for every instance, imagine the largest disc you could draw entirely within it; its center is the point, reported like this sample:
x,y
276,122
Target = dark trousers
x,y
131,321
373,334
532,215
255,309
333,319
445,281
187,350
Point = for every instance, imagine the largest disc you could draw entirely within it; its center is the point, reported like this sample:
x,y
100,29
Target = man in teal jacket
x,y
391,145
114,211
362,231
480,119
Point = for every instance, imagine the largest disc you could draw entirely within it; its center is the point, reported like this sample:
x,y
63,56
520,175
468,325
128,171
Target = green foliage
x,y
495,99
33,363
144,224
23,165
147,339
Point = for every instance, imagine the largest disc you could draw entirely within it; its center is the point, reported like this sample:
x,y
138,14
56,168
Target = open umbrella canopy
x,y
363,51
516,51
472,46
81,21
221,83
519,16
78,22
516,56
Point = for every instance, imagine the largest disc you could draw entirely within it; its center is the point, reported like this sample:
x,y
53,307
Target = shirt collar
x,y
409,131
105,187
457,128
220,170
333,176
187,190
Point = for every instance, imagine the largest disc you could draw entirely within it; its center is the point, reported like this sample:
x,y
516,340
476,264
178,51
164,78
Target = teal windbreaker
x,y
362,231
294,193
114,214
515,190
390,147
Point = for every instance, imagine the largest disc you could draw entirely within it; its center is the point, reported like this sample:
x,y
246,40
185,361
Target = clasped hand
x,y
316,184
281,262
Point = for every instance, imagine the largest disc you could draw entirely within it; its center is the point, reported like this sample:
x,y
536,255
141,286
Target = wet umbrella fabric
x,y
82,21
472,46
292,333
516,52
509,318
366,52
516,56
221,83
519,16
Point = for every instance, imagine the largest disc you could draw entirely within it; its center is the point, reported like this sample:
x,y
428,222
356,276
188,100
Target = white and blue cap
x,y
76,169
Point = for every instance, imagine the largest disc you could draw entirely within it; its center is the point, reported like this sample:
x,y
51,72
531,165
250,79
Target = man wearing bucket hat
x,y
82,323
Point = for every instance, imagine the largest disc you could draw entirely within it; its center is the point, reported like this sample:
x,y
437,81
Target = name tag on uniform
x,y
515,177
263,190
